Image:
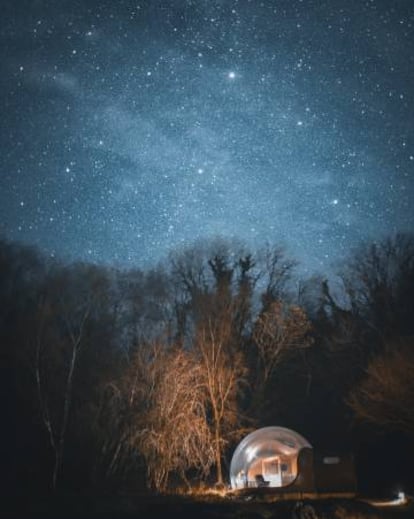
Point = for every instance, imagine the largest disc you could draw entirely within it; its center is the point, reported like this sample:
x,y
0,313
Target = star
x,y
138,131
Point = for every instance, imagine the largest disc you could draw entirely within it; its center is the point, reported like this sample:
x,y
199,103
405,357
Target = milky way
x,y
131,128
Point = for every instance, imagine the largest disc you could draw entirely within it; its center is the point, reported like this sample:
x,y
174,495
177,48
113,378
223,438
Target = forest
x,y
145,380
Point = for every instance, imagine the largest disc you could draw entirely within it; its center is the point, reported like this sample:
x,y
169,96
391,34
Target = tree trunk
x,y
219,470
66,408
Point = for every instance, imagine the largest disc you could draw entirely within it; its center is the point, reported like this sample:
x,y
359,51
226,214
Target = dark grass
x,y
160,507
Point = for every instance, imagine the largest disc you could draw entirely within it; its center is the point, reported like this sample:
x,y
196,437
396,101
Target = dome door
x,y
271,471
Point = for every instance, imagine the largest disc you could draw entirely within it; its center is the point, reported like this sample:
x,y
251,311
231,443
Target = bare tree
x,y
378,281
63,312
223,374
279,330
218,279
165,414
385,396
275,273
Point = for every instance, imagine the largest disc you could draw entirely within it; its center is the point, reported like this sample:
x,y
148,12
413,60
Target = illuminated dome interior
x,y
267,457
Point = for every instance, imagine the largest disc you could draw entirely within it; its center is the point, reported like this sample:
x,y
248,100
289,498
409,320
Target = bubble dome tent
x,y
270,457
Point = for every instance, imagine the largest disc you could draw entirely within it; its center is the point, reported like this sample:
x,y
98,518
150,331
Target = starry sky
x,y
130,128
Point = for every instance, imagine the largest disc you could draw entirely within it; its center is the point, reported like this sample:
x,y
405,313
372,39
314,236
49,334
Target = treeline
x,y
120,380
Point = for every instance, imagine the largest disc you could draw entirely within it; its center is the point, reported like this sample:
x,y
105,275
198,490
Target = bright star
x,y
231,75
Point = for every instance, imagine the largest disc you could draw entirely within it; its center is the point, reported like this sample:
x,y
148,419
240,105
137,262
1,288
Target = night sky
x,y
130,128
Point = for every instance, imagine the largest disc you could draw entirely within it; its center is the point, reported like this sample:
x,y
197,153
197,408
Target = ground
x,y
211,507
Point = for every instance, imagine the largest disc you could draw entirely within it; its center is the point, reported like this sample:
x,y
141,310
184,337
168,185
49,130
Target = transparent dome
x,y
267,457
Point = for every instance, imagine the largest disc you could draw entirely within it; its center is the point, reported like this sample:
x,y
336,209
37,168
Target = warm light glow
x,y
204,491
270,453
400,500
